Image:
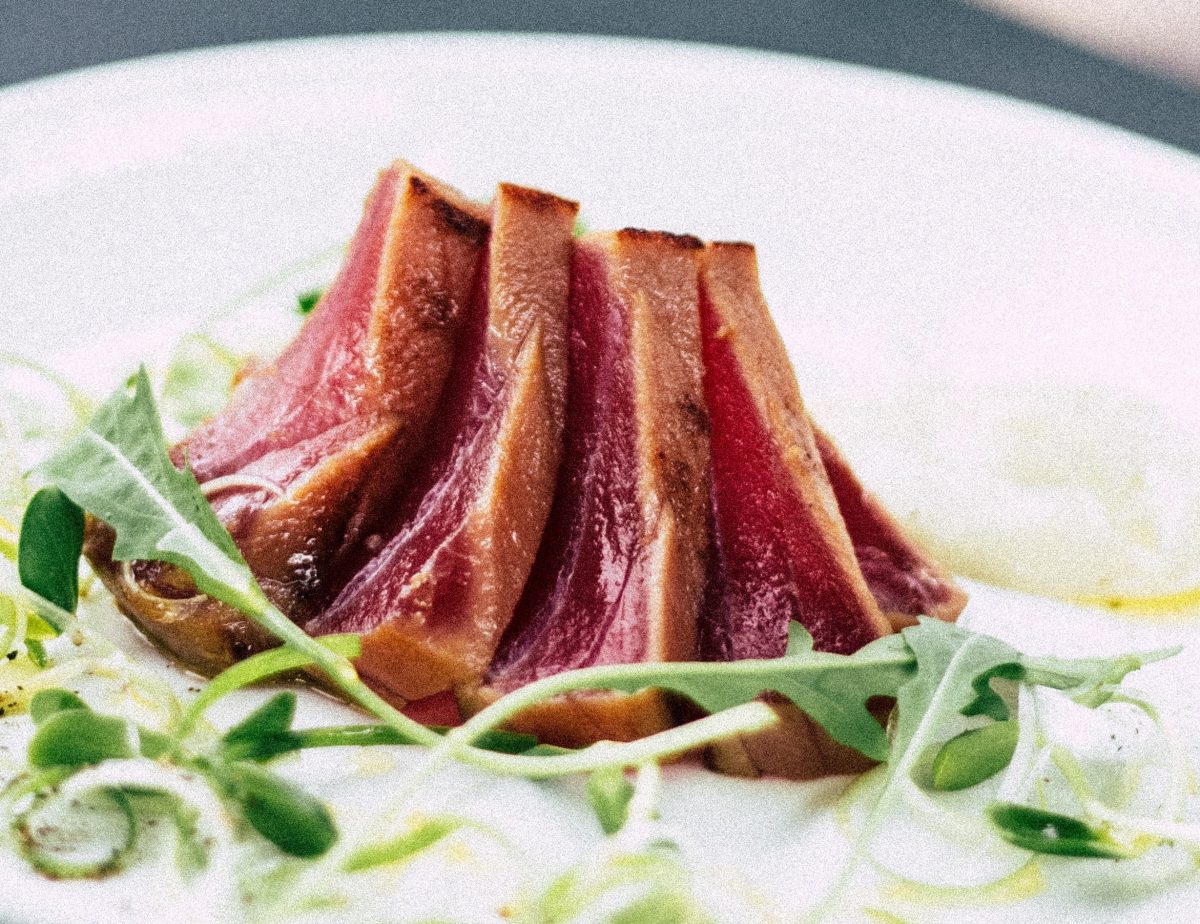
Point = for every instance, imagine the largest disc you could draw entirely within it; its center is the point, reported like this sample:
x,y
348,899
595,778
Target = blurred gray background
x,y
945,39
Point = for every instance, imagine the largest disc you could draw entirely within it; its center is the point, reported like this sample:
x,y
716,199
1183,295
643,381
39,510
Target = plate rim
x,y
53,94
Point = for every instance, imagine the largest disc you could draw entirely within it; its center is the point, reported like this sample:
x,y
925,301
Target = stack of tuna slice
x,y
499,451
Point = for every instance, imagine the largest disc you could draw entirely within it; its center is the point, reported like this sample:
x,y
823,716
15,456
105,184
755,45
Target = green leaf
x,y
47,703
274,717
609,793
1089,681
956,667
1049,832
78,737
261,666
307,301
118,470
403,848
975,756
954,673
49,549
833,689
285,815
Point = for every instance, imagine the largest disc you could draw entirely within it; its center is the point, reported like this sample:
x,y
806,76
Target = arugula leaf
x,y
118,470
832,689
609,793
49,548
955,669
1091,681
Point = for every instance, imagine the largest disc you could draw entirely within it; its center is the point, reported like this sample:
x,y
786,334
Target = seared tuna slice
x,y
620,570
905,581
298,461
780,548
434,598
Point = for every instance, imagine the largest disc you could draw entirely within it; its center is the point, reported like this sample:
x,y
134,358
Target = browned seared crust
x,y
580,719
655,274
428,267
796,747
658,278
731,278
426,274
528,283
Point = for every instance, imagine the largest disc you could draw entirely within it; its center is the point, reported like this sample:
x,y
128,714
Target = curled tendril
x,y
134,588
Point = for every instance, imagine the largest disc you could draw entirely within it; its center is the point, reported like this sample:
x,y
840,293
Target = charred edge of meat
x,y
457,216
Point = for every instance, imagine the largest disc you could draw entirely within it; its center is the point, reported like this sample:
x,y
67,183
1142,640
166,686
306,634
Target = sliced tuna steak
x,y
620,570
434,598
780,549
905,581
307,447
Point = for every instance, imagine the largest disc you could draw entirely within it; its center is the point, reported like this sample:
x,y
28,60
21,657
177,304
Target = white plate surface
x,y
910,234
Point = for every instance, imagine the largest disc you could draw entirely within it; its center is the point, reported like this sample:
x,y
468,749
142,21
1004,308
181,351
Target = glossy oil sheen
x,y
769,563
421,533
584,603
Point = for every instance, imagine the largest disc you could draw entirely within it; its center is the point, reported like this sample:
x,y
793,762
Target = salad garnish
x,y
955,724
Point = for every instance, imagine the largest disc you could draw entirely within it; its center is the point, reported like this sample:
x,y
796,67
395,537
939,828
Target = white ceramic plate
x,y
915,239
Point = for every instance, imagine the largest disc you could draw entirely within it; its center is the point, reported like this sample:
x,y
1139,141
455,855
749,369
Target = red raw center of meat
x,y
320,376
585,600
894,570
421,531
769,563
